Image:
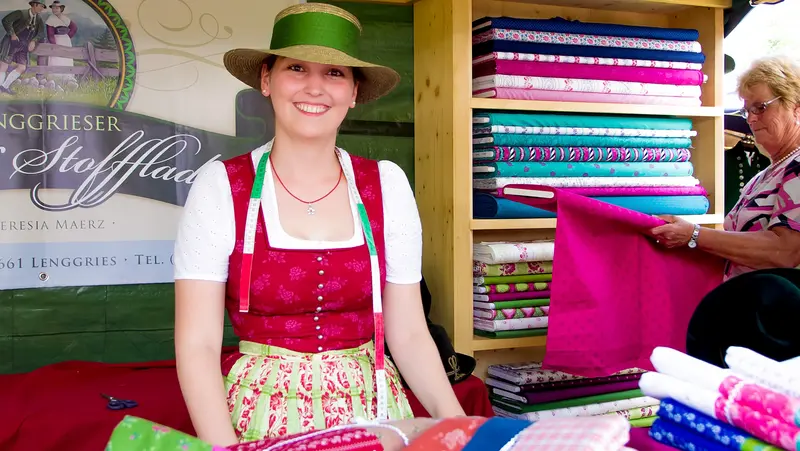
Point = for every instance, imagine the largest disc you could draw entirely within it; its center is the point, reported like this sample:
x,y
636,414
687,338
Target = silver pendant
x,y
310,210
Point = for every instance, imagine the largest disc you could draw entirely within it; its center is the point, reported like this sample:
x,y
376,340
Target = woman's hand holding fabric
x,y
675,233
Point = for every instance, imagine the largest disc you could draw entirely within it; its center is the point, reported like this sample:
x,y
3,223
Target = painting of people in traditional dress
x,y
61,50
60,31
23,29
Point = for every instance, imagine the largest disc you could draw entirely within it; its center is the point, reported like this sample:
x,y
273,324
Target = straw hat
x,y
317,33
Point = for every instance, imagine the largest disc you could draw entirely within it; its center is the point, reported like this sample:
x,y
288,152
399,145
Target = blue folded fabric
x,y
671,434
495,433
561,25
709,427
486,206
485,48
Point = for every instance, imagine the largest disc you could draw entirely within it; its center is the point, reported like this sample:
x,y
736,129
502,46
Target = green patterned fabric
x,y
520,407
569,120
138,434
522,278
512,333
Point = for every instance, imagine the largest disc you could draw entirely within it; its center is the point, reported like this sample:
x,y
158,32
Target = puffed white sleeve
x,y
206,230
402,226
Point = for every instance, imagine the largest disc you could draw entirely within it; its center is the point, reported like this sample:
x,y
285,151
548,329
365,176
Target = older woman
x,y
763,229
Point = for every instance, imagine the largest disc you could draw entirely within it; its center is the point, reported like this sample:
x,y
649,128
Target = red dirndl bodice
x,y
304,300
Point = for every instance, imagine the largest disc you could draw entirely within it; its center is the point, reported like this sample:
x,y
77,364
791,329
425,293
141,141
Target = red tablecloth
x,y
59,407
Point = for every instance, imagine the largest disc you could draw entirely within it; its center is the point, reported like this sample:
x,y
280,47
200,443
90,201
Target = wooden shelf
x,y
643,6
491,344
638,6
517,224
602,108
444,108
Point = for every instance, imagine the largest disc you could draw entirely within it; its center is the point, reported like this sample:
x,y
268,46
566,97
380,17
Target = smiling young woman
x,y
314,253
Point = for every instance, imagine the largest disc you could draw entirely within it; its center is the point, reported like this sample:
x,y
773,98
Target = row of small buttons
x,y
319,299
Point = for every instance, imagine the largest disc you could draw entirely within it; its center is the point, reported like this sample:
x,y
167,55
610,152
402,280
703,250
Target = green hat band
x,y
316,28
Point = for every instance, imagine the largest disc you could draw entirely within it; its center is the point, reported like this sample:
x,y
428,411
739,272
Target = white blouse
x,y
206,231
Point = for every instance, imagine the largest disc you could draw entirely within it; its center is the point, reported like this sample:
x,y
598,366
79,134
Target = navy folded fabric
x,y
495,433
561,25
676,436
487,47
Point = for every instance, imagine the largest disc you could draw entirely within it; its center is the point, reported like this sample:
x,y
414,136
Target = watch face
x,y
693,244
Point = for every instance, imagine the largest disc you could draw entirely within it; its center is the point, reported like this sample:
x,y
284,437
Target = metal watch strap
x,y
695,234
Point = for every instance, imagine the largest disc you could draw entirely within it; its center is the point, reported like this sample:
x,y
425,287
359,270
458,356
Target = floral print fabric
x,y
584,85
594,60
548,37
273,392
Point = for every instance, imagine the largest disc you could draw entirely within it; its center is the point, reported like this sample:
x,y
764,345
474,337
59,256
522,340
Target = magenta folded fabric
x,y
591,72
616,294
578,392
624,190
496,297
574,96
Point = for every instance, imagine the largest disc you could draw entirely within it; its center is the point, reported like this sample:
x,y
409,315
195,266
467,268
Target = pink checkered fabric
x,y
600,433
349,439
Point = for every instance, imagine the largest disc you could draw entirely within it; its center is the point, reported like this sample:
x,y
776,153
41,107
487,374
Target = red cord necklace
x,y
310,210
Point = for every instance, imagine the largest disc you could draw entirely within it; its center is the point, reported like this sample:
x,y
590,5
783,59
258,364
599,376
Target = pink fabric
x,y
574,96
641,441
589,71
605,262
625,190
762,399
761,426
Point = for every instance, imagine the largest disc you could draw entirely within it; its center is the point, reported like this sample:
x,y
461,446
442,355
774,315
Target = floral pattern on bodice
x,y
305,300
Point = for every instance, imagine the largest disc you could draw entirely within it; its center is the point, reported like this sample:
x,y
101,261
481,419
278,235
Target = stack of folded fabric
x,y
526,391
753,405
639,163
511,288
573,61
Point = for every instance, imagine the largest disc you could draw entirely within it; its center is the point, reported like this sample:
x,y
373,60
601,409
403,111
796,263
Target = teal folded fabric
x,y
609,154
486,206
581,169
574,120
518,139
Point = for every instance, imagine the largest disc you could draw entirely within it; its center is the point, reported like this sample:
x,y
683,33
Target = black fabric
x,y
756,310
734,15
457,366
737,123
742,163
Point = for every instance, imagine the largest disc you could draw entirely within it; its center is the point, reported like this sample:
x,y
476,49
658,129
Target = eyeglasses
x,y
756,109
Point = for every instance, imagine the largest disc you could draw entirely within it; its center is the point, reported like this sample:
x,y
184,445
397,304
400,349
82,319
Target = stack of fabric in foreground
x,y
562,60
639,163
609,433
753,405
526,391
511,288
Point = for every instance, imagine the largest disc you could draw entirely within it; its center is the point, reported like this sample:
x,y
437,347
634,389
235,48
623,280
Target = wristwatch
x,y
695,234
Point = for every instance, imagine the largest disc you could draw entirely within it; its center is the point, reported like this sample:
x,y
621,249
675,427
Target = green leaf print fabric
x,y
138,434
